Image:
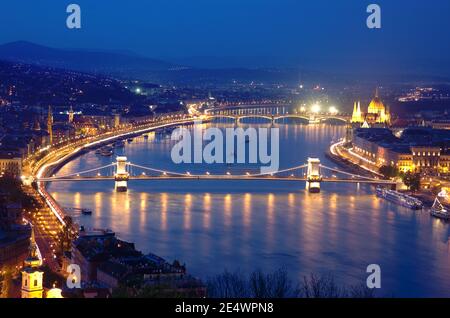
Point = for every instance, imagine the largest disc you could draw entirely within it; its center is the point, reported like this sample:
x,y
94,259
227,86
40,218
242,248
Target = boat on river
x,y
107,151
86,212
399,198
439,211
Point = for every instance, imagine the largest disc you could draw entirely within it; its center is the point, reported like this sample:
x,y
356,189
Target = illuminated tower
x,y
357,115
50,125
121,177
31,275
71,114
37,124
313,175
348,133
377,108
116,120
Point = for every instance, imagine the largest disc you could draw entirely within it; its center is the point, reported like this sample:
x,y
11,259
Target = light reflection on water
x,y
248,225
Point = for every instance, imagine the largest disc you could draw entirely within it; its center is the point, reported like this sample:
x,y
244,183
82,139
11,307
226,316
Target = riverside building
x,y
422,150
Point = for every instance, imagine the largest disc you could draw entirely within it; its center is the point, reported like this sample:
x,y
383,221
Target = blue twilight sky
x,y
329,31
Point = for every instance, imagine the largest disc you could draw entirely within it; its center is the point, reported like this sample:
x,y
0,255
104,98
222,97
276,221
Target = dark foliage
x,y
278,285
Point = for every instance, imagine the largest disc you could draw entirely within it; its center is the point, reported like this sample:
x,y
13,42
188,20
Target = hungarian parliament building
x,y
377,114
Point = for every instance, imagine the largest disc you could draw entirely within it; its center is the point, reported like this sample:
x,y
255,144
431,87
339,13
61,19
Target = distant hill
x,y
128,65
39,85
203,70
81,60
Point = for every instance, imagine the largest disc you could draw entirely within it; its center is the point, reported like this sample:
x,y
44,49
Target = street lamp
x,y
315,108
333,110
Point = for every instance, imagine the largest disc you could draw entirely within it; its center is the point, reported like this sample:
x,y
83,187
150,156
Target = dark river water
x,y
248,225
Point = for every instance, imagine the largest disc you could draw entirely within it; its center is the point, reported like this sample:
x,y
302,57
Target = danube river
x,y
213,226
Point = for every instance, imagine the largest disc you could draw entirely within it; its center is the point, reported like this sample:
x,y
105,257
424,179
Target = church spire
x,y
377,93
36,124
33,249
71,114
33,259
32,275
357,115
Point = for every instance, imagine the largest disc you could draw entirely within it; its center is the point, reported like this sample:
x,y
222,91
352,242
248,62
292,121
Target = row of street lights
x,y
317,108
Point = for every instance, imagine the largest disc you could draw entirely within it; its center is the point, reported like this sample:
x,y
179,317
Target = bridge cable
x,y
77,173
348,174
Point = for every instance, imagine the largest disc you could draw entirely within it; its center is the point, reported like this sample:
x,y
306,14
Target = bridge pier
x,y
121,177
314,178
313,120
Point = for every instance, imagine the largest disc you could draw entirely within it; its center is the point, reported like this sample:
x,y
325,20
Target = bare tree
x,y
258,285
228,285
278,285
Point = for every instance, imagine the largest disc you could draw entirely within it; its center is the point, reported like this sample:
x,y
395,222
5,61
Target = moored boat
x,y
107,151
399,198
439,211
86,212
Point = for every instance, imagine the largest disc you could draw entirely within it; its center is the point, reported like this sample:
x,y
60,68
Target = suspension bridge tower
x,y
121,177
313,175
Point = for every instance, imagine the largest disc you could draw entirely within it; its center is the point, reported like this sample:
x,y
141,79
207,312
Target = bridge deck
x,y
216,178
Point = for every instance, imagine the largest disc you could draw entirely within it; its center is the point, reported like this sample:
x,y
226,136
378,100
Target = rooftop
x,y
9,155
410,137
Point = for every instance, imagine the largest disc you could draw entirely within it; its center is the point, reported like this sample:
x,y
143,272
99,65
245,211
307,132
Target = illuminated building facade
x,y
377,113
357,116
10,164
444,163
426,159
116,121
416,152
32,276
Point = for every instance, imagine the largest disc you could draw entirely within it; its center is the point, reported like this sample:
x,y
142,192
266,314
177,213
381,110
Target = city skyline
x,y
214,152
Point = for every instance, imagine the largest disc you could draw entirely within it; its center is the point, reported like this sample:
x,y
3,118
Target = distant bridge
x,y
122,171
274,114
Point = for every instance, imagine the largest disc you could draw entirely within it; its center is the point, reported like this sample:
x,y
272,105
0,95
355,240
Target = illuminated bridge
x,y
274,114
121,171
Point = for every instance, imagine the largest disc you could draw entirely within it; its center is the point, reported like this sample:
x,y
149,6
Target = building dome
x,y
54,293
376,106
378,110
32,259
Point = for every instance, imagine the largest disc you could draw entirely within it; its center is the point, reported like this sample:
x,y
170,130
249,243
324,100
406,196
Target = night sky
x,y
321,32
